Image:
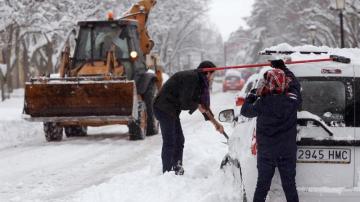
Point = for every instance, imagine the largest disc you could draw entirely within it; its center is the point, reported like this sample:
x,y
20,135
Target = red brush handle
x,y
263,64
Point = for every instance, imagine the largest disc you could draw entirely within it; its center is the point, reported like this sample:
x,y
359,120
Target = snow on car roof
x,y
316,69
287,47
351,53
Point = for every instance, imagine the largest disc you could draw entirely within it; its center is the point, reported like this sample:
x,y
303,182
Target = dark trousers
x,y
173,139
266,168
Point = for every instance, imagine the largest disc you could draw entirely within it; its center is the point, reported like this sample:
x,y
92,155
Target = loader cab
x,y
96,38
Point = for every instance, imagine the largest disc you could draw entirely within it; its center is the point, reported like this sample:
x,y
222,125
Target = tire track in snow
x,y
50,171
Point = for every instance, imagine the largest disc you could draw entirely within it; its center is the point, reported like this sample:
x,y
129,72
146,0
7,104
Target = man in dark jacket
x,y
275,105
185,90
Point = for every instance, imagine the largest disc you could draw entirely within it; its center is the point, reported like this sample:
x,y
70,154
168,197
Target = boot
x,y
178,168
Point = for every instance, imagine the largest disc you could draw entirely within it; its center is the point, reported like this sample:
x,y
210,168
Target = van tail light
x,y
240,101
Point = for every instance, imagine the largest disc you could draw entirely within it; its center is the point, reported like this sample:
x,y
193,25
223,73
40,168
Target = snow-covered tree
x,y
34,32
277,21
173,25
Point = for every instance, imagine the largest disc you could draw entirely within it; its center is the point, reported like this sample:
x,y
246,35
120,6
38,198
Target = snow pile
x,y
203,180
11,109
144,185
14,130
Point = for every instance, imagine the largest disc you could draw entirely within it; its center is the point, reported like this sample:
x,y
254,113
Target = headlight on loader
x,y
133,55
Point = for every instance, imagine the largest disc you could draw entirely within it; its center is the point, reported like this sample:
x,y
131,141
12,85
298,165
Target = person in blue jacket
x,y
275,105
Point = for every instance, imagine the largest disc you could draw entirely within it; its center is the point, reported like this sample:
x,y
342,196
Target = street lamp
x,y
312,31
340,5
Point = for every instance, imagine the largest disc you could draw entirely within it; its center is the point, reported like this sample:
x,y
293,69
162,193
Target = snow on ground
x,y
106,166
13,130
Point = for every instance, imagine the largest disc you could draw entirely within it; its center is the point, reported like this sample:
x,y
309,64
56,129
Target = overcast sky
x,y
228,14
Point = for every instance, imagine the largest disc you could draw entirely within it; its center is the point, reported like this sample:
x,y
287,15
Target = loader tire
x,y
152,122
53,132
72,131
137,128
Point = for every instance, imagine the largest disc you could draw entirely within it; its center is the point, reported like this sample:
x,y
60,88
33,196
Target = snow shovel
x,y
213,121
334,58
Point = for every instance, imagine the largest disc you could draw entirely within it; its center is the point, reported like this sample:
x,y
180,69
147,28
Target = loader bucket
x,y
81,98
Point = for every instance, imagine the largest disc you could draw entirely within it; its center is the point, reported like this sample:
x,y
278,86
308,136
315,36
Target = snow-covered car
x,y
328,139
233,80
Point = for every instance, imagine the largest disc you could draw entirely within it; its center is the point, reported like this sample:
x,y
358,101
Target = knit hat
x,y
276,81
206,64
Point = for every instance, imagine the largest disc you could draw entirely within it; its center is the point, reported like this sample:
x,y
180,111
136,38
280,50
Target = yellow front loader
x,y
105,82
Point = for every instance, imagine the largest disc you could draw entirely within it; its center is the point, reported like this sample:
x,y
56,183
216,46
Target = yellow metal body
x,y
140,12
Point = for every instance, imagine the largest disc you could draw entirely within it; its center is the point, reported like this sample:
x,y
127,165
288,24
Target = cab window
x,y
104,37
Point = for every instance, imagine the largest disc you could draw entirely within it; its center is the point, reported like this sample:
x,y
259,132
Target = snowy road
x,y
105,166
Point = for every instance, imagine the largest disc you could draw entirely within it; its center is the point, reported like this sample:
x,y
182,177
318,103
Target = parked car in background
x,y
328,139
233,80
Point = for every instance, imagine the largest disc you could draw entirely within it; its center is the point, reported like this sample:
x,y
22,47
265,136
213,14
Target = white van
x,y
328,157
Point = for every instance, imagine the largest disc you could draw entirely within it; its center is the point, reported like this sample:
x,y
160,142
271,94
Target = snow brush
x,y
214,122
334,58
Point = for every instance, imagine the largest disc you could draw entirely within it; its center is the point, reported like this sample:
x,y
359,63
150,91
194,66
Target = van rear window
x,y
325,99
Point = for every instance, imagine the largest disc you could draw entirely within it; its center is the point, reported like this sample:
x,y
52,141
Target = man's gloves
x,y
251,98
278,64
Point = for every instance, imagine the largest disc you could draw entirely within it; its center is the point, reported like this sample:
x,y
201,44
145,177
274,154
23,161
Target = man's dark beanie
x,y
277,63
206,64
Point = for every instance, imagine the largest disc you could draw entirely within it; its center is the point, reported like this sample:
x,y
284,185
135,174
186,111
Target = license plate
x,y
323,155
